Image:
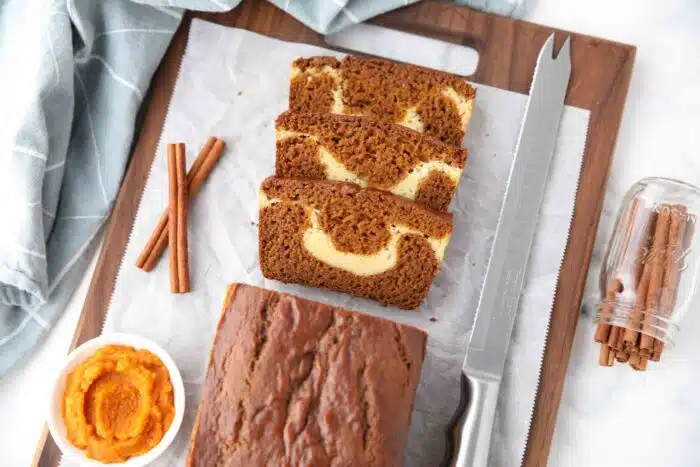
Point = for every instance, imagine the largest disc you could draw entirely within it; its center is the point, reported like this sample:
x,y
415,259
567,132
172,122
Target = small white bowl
x,y
82,353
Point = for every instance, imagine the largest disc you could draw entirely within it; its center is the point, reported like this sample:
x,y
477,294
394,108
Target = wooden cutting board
x,y
507,50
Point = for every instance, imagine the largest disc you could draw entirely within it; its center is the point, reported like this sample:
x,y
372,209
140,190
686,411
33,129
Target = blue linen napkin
x,y
75,73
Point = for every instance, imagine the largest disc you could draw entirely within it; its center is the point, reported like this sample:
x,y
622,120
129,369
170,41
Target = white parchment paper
x,y
233,84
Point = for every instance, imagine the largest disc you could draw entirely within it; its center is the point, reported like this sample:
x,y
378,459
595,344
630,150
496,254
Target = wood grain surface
x,y
508,49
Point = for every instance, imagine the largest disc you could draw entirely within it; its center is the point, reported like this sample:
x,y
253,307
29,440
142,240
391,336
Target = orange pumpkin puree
x,y
118,403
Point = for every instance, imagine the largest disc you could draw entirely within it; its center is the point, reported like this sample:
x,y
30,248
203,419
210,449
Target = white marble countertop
x,y
608,417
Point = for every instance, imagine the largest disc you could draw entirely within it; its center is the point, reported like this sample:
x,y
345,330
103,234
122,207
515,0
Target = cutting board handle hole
x,y
369,39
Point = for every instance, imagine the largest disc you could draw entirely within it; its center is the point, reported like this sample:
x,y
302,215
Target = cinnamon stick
x,y
183,269
638,361
658,243
200,170
657,351
623,355
658,264
645,243
615,339
172,216
641,289
603,330
630,335
607,356
672,267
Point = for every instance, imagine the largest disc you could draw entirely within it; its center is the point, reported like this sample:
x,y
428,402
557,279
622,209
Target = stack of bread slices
x,y
368,159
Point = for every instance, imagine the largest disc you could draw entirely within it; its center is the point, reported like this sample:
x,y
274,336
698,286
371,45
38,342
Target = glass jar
x,y
649,278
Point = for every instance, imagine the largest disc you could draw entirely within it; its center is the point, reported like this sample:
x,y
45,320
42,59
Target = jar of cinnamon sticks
x,y
650,274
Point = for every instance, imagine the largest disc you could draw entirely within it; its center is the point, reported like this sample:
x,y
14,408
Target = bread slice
x,y
430,101
299,383
370,153
360,241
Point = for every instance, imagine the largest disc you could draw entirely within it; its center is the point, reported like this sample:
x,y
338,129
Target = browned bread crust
x,y
384,89
358,222
296,382
380,154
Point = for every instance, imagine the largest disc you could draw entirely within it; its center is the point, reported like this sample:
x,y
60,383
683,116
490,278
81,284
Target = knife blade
x,y
470,430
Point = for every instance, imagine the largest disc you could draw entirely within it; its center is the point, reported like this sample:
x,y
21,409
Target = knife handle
x,y
469,433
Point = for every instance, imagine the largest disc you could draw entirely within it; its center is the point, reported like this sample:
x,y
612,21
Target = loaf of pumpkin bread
x,y
293,382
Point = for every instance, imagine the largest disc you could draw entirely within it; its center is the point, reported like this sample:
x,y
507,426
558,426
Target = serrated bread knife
x,y
470,430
